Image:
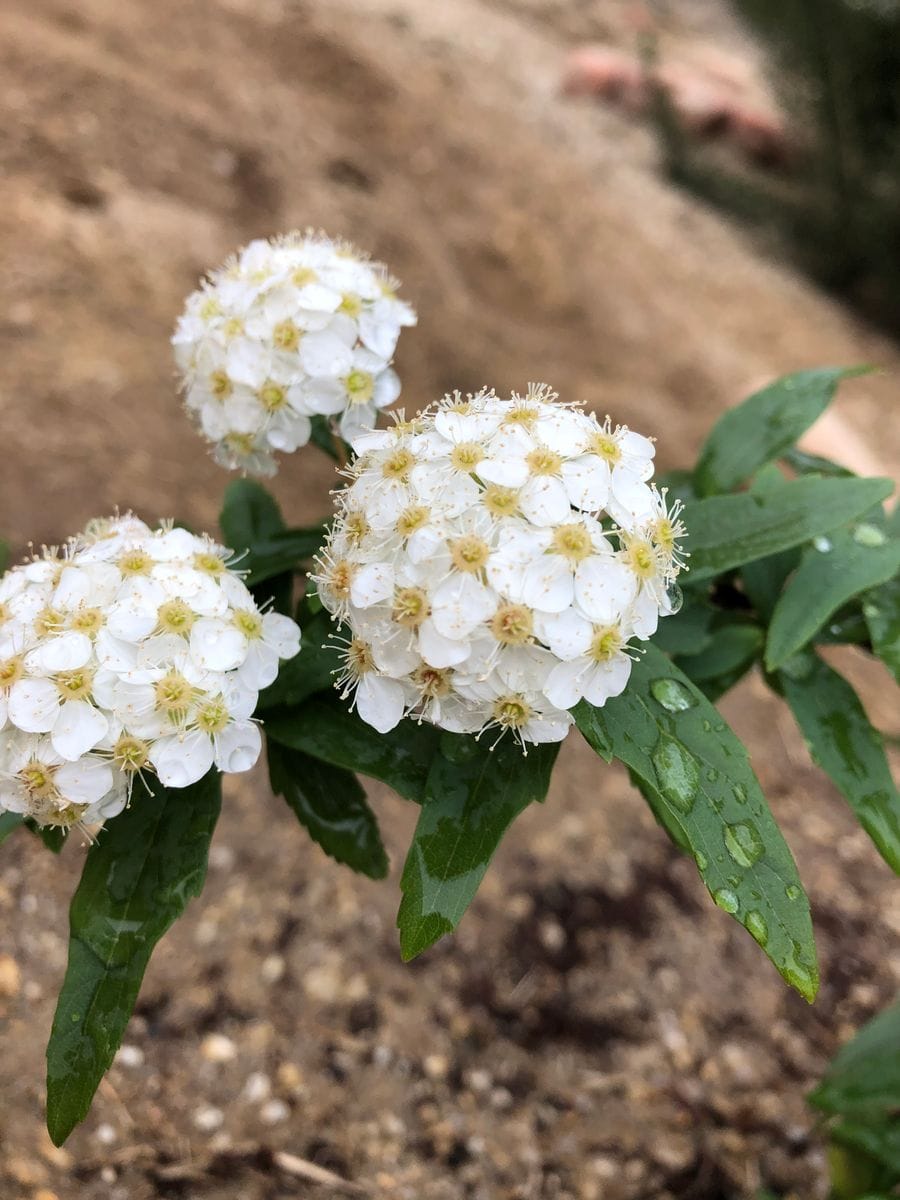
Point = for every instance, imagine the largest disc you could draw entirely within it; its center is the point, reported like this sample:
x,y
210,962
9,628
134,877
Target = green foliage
x,y
4,556
843,743
472,795
138,877
881,610
728,531
696,777
332,806
9,823
860,1095
756,432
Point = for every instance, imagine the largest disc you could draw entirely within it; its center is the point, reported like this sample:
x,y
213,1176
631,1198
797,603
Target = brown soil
x,y
596,1029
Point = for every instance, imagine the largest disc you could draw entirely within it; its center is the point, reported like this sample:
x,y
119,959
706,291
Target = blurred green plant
x,y
835,65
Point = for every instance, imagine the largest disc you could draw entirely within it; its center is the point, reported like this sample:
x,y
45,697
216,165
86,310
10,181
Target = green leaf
x,y
330,802
763,426
9,823
138,877
666,731
325,728
863,1079
688,631
254,528
53,837
832,571
282,552
733,648
881,609
310,671
843,743
4,555
472,796
323,438
813,464
725,532
879,1143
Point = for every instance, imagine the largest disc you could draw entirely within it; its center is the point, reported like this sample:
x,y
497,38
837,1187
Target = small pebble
x,y
130,1056
207,1120
272,968
274,1112
216,1048
436,1066
108,1174
10,977
105,1134
257,1088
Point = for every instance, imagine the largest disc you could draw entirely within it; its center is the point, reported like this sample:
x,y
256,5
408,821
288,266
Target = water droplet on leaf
x,y
822,544
727,900
671,695
677,772
793,892
869,535
756,926
740,793
674,598
701,860
743,843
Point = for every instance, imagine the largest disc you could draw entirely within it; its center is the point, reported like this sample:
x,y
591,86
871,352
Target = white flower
x,y
128,650
286,330
490,562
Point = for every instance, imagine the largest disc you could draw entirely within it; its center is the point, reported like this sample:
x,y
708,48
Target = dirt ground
x,y
597,1030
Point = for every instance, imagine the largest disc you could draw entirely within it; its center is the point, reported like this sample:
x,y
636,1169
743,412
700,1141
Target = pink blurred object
x,y
611,74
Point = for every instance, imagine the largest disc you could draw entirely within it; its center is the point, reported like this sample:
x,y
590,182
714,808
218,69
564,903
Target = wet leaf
x,y
472,796
688,631
725,532
309,672
325,728
831,572
282,552
863,1078
699,781
843,743
762,427
53,837
331,804
734,647
881,610
138,877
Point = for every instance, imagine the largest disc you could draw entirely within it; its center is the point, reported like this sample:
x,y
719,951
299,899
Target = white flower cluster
x,y
492,559
128,650
287,329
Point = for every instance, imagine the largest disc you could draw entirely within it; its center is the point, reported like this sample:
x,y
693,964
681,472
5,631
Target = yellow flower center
x,y
572,542
356,526
397,465
359,658
501,501
469,553
130,753
351,305
521,414
410,607
174,695
220,385
411,519
176,616
210,308
249,623
606,642
37,780
544,462
213,717
48,620
663,533
339,578
209,563
88,621
303,275
239,443
233,327
512,624
604,445
640,558
431,681
135,562
11,671
5,614
272,397
74,685
360,387
512,711
466,456
286,335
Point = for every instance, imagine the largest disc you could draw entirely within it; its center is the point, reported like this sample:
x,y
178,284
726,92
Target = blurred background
x,y
654,207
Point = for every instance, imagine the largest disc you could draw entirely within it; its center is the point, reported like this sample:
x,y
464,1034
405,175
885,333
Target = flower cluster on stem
x,y
492,563
127,650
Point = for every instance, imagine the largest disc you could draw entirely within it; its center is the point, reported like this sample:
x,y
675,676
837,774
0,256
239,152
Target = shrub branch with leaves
x,y
490,581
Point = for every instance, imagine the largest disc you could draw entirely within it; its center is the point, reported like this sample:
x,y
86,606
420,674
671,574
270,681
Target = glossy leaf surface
x,y
667,732
138,877
843,743
473,794
332,805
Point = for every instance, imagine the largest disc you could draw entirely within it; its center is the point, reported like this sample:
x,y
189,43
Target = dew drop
x,y
671,695
727,900
743,843
674,598
755,924
798,667
701,860
677,772
740,793
822,544
712,774
804,978
792,891
869,535
707,727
